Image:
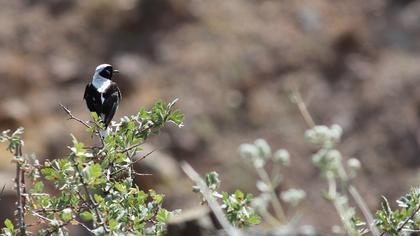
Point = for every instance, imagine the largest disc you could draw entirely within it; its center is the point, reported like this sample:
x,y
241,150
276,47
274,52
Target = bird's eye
x,y
107,73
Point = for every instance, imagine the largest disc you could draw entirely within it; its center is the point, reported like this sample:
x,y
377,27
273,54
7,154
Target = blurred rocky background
x,y
231,63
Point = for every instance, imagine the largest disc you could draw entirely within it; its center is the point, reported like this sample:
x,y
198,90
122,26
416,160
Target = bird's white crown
x,y
101,67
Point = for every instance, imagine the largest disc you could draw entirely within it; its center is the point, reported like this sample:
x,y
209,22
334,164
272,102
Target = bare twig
x,y
214,206
51,221
84,226
35,194
41,216
50,232
297,99
55,230
2,191
364,208
20,180
141,174
130,148
411,230
409,218
55,210
72,117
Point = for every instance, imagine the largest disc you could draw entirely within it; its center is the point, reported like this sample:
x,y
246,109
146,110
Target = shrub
x,y
93,186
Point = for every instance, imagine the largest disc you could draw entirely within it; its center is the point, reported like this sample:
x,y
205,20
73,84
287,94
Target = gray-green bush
x,y
94,186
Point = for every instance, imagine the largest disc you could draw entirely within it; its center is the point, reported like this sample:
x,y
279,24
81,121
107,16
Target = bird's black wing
x,y
93,99
112,98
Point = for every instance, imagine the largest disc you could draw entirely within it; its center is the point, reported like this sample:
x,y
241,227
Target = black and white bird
x,y
102,95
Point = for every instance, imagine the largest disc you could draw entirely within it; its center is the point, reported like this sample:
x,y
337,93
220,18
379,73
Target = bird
x,y
102,95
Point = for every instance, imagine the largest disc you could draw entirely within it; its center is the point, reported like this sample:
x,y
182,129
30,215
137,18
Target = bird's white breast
x,y
101,84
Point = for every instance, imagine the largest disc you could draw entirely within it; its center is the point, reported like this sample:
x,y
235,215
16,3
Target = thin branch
x,y
84,226
72,117
20,180
411,230
141,174
273,221
130,148
297,99
2,191
214,206
36,223
364,208
401,228
90,197
55,230
41,216
132,163
50,232
35,194
408,219
275,202
55,210
144,129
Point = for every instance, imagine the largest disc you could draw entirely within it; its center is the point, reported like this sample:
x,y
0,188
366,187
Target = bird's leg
x,y
102,140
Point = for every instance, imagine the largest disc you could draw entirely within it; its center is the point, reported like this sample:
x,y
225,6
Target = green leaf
x,y
98,198
66,215
86,216
97,120
121,188
64,164
162,215
94,171
158,112
143,114
386,207
225,196
141,197
79,148
157,198
176,117
50,174
254,219
213,181
239,195
9,225
113,224
94,116
91,130
44,201
38,187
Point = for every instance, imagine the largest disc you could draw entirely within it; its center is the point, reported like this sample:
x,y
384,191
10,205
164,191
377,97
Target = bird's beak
x,y
116,71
